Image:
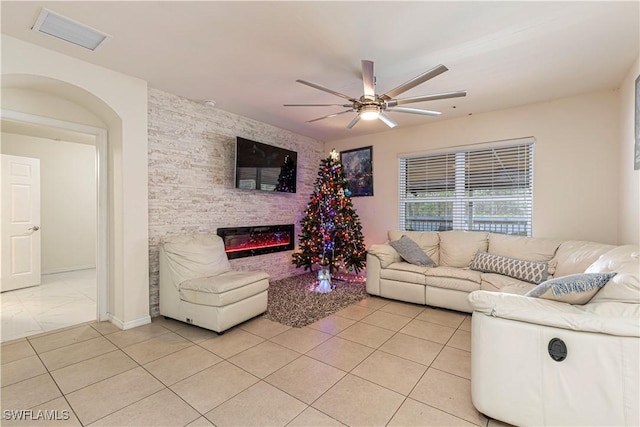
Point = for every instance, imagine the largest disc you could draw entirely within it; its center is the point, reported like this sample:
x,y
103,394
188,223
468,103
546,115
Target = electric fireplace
x,y
242,242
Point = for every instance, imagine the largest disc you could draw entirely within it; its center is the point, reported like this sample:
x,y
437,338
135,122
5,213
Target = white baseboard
x,y
69,269
131,323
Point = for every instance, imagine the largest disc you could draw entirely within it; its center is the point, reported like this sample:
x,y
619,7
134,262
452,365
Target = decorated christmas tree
x,y
331,234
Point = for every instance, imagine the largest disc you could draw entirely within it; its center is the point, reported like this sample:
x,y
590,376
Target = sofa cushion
x,y
625,286
521,247
453,278
452,284
385,253
500,283
224,289
529,271
454,273
404,272
457,248
575,256
429,241
195,255
521,288
575,289
411,252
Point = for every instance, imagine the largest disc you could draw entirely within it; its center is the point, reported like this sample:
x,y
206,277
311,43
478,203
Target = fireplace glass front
x,y
242,242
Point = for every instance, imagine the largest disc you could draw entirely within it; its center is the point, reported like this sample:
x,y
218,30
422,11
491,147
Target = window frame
x,y
461,215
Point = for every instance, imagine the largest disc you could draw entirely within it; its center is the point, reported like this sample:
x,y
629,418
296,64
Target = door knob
x,y
34,228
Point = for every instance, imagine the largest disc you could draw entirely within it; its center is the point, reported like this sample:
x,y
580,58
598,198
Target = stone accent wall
x,y
191,180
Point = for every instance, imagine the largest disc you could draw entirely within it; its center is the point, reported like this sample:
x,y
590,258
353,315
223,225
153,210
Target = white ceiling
x,y
247,55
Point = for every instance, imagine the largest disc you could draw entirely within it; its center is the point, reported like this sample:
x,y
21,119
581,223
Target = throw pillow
x,y
528,271
411,252
573,289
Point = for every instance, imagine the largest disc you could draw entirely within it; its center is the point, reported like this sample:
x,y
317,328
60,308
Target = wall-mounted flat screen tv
x,y
265,167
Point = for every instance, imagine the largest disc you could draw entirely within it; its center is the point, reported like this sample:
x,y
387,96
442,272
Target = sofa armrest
x,y
552,313
385,253
373,274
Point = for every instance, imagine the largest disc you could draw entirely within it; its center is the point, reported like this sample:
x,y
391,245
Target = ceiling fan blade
x,y
414,111
317,105
353,122
368,79
437,70
387,120
444,95
330,115
322,88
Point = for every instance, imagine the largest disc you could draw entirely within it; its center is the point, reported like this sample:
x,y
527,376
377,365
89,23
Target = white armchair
x,y
542,362
197,285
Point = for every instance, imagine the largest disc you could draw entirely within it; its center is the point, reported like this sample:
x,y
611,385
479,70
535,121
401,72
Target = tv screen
x,y
265,167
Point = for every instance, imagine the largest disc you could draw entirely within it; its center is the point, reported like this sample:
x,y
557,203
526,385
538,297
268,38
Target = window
x,y
487,189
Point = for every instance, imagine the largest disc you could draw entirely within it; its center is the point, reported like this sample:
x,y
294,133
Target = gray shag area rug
x,y
293,301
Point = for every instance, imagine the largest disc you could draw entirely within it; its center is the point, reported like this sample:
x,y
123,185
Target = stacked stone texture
x,y
191,180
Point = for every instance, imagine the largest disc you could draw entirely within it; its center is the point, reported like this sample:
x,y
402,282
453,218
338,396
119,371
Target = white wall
x,y
120,102
575,165
629,179
67,201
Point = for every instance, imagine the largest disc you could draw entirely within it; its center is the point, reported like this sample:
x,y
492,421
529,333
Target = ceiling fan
x,y
371,106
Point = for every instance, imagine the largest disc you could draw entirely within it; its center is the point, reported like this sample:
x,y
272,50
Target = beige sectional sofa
x,y
449,284
541,362
534,361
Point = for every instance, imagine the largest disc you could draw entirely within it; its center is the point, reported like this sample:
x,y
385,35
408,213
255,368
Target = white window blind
x,y
486,189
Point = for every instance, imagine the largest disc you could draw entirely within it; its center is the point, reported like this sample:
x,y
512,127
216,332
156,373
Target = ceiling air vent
x,y
63,28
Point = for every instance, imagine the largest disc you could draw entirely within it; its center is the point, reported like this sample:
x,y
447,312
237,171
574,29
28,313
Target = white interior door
x,y
20,240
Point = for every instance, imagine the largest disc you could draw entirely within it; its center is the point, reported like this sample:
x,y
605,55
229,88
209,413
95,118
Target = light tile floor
x,y
63,299
375,363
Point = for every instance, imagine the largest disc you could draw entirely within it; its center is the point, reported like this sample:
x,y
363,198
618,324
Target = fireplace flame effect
x,y
250,245
257,240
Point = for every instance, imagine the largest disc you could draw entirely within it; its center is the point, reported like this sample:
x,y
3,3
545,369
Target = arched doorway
x,y
33,105
120,104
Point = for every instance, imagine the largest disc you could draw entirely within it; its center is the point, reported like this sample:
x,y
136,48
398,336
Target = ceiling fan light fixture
x,y
370,112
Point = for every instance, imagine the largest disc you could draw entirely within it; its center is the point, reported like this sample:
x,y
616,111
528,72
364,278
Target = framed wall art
x,y
358,169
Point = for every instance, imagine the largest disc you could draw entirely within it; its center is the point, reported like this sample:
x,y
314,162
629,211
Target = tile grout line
x,y
64,396
112,376
165,387
307,405
121,349
350,372
408,396
241,368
